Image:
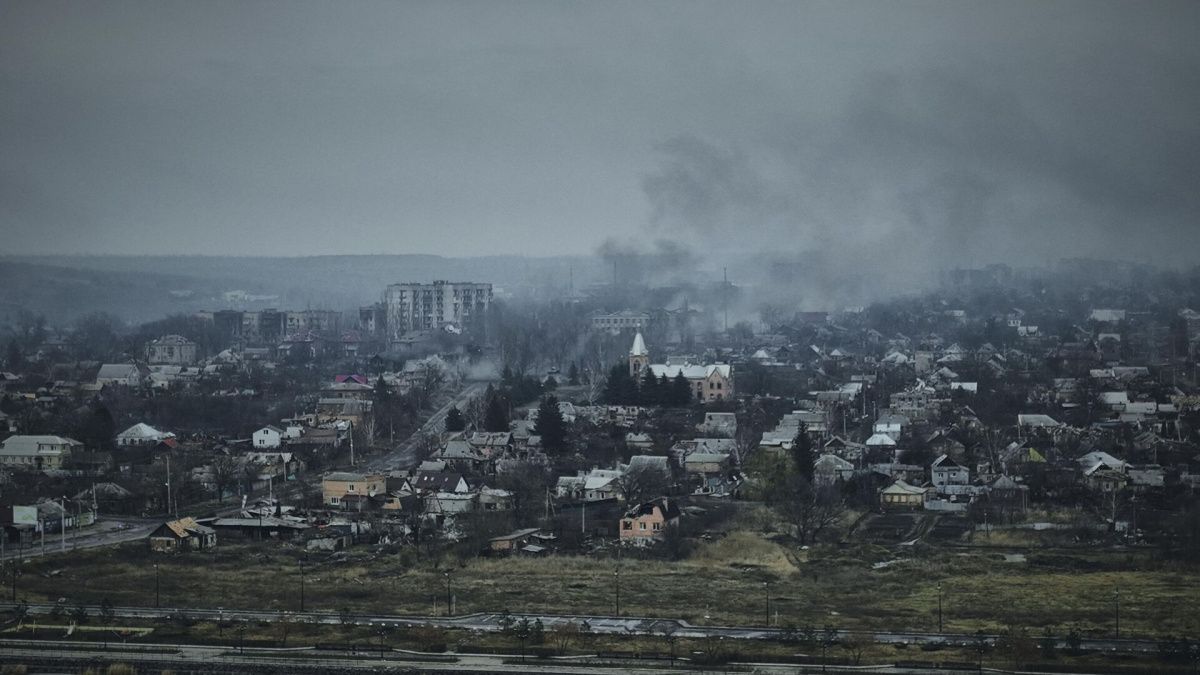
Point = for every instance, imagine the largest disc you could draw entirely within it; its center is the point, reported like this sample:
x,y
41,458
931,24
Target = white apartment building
x,y
423,306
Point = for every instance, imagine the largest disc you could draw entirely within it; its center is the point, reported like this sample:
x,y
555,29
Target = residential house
x,y
829,469
1096,458
494,499
649,520
444,506
339,487
879,445
122,375
656,463
262,527
350,410
847,450
432,482
1101,477
513,541
682,449
705,463
142,434
37,453
184,534
458,452
946,472
891,425
571,487
902,495
601,484
1037,421
491,445
269,436
1006,498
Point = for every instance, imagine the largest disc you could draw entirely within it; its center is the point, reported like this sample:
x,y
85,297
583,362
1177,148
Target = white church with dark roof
x,y
709,382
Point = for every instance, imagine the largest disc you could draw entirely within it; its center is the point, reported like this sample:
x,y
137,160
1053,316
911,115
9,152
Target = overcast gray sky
x,y
958,129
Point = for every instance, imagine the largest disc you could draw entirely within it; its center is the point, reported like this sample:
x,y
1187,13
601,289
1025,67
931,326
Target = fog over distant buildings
x,y
882,138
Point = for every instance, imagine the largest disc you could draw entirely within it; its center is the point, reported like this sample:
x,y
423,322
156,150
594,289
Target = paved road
x,y
153,656
404,457
609,625
107,531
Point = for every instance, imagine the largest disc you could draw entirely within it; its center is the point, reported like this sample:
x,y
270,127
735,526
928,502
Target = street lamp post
x,y
156,596
617,588
448,608
767,590
939,591
301,584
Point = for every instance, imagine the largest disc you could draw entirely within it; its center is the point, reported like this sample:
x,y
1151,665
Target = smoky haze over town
x,y
772,336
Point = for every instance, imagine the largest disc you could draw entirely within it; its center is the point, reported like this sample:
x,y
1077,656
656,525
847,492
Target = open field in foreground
x,y
723,582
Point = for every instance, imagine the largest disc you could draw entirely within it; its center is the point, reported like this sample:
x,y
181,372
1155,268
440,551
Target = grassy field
x,y
722,582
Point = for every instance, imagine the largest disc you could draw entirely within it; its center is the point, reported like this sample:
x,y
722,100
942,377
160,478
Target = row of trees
x,y
621,388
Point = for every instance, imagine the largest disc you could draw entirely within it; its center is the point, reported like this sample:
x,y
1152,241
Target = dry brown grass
x,y
722,581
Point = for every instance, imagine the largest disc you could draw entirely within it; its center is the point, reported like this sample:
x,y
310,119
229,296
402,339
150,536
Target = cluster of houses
x,y
1091,418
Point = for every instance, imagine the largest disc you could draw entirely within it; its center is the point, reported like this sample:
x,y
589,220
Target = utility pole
x,y
168,485
156,594
939,590
62,536
617,588
449,608
301,584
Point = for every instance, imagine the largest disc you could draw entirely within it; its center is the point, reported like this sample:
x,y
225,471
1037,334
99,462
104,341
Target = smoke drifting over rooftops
x,y
891,139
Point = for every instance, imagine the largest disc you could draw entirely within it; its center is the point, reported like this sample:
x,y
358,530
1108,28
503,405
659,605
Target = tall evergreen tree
x,y
618,386
550,425
495,418
383,391
455,421
97,429
573,375
802,453
681,390
648,392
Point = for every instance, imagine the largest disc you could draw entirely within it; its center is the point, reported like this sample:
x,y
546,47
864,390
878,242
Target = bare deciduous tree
x,y
641,483
810,509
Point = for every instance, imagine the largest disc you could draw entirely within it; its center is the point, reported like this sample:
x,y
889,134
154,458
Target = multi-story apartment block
x,y
423,306
320,320
272,324
372,319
